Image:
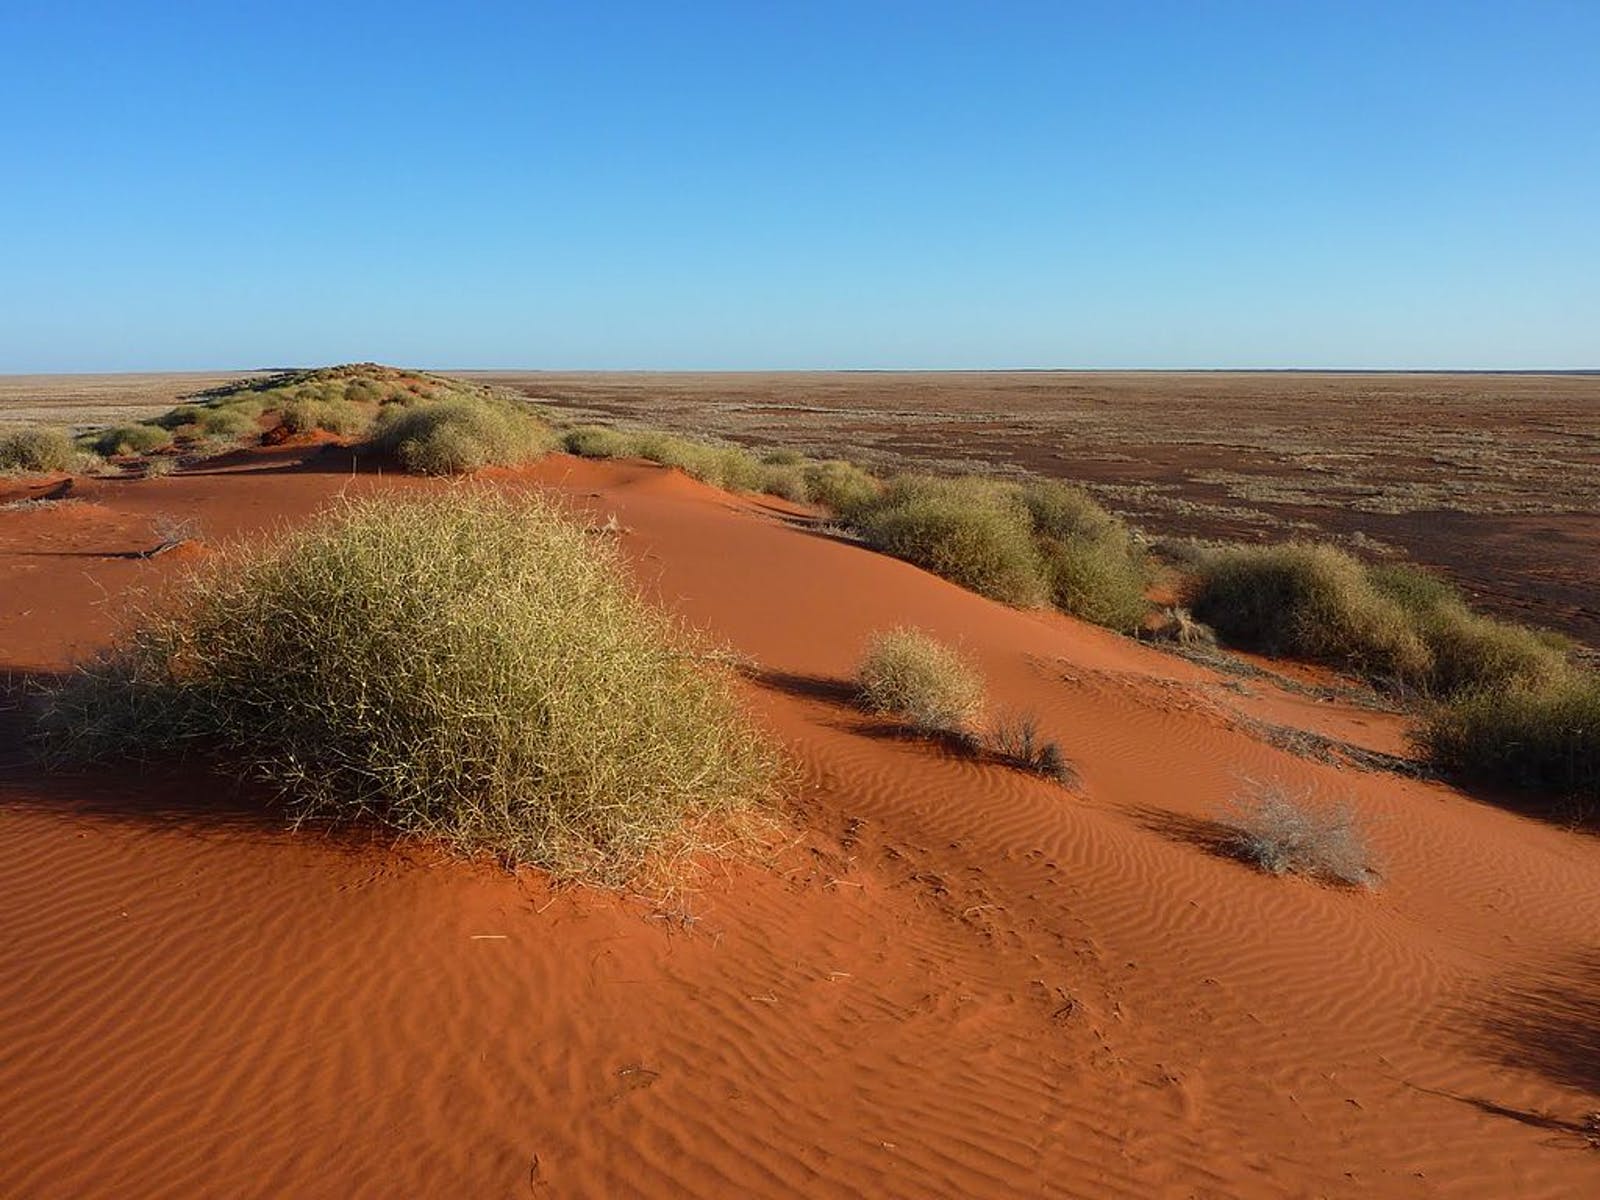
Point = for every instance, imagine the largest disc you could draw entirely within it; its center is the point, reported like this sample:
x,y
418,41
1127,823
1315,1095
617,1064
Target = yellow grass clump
x,y
467,667
916,678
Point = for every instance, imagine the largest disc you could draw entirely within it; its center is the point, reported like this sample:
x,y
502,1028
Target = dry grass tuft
x,y
1307,601
841,486
1395,625
598,441
1014,738
1285,833
908,675
969,530
228,423
467,667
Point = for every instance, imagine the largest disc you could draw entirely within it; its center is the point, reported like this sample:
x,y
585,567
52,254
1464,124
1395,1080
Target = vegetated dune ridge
x,y
1494,478
959,981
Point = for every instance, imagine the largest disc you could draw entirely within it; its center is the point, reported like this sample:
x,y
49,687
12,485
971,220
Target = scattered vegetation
x,y
1286,833
472,668
909,675
1397,626
37,451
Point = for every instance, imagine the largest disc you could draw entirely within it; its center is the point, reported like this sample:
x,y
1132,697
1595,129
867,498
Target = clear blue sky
x,y
741,185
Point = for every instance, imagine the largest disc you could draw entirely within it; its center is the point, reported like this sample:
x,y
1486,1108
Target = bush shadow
x,y
1548,1024
194,794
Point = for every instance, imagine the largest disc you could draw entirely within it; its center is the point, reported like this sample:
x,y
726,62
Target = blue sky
x,y
749,185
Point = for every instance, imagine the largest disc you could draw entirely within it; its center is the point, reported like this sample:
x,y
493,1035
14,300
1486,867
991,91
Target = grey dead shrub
x,y
1289,833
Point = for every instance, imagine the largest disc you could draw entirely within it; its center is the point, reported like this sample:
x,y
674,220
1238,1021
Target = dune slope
x,y
958,980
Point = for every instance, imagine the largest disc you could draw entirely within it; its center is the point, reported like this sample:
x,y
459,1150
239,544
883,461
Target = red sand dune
x,y
960,981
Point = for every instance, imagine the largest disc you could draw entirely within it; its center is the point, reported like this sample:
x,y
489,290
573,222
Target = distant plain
x,y
1495,478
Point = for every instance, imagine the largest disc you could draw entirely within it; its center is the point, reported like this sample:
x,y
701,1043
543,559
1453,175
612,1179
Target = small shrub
x,y
177,420
1015,739
474,668
1060,510
1308,601
1096,568
783,458
841,486
131,439
1542,740
1176,624
669,450
306,414
597,441
446,437
160,467
970,531
909,675
724,466
229,423
738,470
1097,580
785,480
1470,651
1289,834
38,450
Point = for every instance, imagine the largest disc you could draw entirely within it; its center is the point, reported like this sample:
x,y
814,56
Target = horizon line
x,y
524,370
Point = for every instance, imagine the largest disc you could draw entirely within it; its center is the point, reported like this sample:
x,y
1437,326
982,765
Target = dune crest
x,y
960,980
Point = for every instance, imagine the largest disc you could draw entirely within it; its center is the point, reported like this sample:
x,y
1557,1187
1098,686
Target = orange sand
x,y
960,981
